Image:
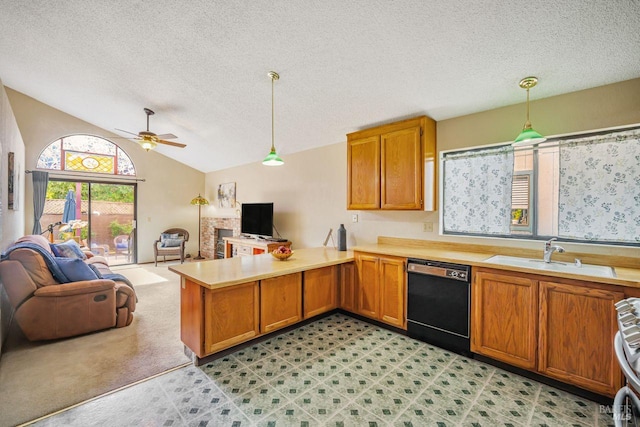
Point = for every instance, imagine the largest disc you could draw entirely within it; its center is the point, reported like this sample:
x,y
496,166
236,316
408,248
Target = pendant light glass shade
x,y
528,136
272,158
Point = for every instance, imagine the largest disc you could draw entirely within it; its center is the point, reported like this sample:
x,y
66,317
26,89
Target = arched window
x,y
86,153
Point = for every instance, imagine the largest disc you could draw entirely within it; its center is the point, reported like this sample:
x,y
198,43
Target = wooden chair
x,y
124,245
171,243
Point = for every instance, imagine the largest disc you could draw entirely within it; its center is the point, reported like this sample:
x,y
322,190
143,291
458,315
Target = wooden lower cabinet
x,y
320,289
393,300
367,285
504,323
347,286
231,316
577,326
280,302
562,329
381,291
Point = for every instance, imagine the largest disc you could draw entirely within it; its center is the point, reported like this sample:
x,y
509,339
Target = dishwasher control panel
x,y
440,269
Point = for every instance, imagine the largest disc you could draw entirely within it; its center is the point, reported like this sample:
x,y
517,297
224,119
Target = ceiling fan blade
x,y
166,136
172,143
126,131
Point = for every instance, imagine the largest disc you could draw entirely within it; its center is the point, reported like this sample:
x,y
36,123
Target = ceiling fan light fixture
x,y
148,144
272,158
528,136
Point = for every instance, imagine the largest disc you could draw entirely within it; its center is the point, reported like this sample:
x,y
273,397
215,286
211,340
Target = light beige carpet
x,y
37,379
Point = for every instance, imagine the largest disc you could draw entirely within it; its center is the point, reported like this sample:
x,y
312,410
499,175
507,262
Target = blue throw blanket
x,y
56,272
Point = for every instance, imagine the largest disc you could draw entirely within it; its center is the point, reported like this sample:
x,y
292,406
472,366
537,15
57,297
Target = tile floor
x,y
337,371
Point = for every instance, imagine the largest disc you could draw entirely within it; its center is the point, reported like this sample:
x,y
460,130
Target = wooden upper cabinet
x,y
363,172
386,166
504,317
577,327
401,169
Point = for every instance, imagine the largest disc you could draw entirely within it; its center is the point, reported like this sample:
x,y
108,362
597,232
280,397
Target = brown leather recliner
x,y
46,309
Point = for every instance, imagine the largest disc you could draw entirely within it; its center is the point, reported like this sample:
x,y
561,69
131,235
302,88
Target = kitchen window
x,y
580,188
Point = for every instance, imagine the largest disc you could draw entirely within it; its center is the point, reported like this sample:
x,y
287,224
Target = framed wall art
x,y
227,195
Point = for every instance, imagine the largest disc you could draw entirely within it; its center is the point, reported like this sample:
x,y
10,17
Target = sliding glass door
x,y
98,215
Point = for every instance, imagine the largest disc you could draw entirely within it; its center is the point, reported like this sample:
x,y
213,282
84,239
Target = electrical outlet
x,y
354,218
427,227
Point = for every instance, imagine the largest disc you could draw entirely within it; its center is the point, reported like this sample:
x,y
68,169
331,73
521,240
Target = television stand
x,y
242,246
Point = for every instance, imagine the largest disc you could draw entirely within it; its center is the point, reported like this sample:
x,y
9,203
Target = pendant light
x,y
528,136
272,159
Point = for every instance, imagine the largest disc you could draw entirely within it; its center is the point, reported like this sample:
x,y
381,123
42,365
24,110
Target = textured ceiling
x,y
202,64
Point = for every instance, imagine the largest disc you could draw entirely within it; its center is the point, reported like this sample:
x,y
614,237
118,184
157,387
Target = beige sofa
x,y
47,309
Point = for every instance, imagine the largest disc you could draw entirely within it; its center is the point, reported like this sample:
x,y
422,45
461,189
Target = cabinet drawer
x,y
243,250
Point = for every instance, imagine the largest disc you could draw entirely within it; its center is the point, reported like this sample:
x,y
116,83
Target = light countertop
x,y
629,277
219,273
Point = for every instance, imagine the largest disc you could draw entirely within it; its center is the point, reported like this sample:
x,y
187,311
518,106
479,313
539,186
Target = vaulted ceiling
x,y
202,64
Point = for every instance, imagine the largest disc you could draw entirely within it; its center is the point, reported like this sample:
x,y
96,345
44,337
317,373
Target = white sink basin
x,y
562,267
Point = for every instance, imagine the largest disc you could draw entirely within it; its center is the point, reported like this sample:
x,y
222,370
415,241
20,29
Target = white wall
x,y
11,221
309,191
163,199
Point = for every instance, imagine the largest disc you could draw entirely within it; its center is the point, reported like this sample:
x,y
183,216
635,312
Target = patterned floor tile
x,y
408,345
221,367
415,415
544,418
506,404
225,415
320,344
321,367
195,403
338,371
250,355
384,403
238,382
353,415
182,380
482,417
471,368
289,415
270,367
404,384
321,402
514,384
560,402
292,384
370,367
260,401
447,405
297,354
392,353
347,383
468,387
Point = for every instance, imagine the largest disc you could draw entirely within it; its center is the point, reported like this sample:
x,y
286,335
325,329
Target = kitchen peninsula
x,y
229,301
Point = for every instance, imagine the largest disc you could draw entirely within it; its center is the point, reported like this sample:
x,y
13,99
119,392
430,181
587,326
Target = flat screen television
x,y
257,219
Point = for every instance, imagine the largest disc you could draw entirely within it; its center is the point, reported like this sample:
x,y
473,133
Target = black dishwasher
x,y
438,304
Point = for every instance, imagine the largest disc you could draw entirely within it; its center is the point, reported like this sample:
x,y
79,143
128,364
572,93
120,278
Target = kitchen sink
x,y
561,267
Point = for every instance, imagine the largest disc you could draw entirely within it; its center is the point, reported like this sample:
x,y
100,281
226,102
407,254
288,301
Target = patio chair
x,y
124,245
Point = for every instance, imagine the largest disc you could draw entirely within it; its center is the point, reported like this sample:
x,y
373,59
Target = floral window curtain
x,y
599,196
477,191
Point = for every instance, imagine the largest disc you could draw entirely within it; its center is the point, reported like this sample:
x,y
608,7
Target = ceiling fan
x,y
149,140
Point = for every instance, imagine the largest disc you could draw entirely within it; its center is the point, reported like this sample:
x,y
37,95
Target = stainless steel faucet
x,y
550,249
